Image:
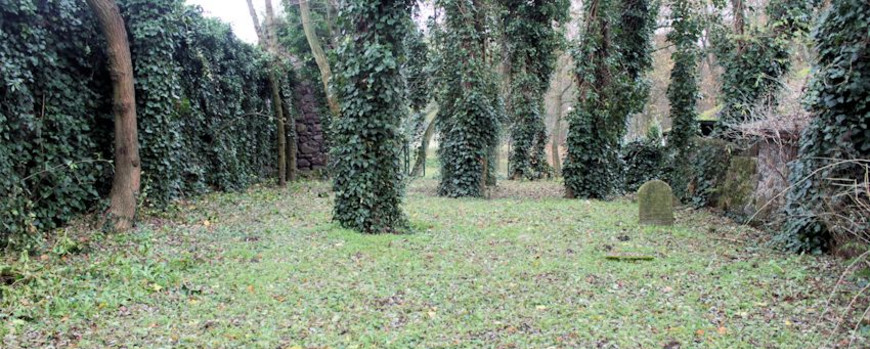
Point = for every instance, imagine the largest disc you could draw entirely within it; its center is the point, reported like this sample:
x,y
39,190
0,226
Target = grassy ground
x,y
267,269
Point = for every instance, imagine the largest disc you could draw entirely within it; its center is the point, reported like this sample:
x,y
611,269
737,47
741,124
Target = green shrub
x,y
708,166
644,160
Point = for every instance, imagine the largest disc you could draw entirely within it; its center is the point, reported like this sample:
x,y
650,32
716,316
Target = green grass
x,y
268,269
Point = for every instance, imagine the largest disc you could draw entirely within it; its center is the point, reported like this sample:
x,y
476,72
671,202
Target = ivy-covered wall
x,y
201,102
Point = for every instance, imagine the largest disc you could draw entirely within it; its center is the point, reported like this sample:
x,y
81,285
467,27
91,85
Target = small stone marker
x,y
656,200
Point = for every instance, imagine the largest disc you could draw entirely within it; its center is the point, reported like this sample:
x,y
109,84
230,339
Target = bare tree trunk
x,y
319,57
420,163
128,170
282,135
277,99
268,40
557,132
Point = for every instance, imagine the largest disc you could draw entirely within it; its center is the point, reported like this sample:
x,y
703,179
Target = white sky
x,y
235,12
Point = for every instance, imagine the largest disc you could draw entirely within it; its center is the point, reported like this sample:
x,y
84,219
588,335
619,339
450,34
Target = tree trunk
x,y
420,163
292,142
268,40
128,170
282,135
739,23
277,99
319,57
557,132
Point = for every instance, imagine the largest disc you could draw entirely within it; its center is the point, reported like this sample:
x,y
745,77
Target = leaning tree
x,y
367,137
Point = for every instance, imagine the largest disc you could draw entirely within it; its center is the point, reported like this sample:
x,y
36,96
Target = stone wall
x,y
311,146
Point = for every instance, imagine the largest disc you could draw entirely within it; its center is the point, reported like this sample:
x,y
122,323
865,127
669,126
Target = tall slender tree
x,y
369,183
128,169
268,39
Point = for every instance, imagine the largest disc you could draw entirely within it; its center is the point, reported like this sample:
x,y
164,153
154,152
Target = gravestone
x,y
656,201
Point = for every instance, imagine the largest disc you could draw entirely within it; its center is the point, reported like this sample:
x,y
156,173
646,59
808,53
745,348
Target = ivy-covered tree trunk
x,y
820,206
591,167
683,91
128,170
369,181
611,61
469,120
531,47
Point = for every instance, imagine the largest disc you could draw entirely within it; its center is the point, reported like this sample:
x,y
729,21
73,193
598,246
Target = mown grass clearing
x,y
267,268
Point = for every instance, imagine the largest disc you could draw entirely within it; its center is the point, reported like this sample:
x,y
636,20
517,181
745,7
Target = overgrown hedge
x,y
201,102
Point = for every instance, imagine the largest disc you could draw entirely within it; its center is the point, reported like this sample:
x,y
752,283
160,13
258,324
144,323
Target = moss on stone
x,y
656,202
737,197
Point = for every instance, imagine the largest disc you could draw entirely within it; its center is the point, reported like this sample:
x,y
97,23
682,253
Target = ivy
x,y
53,137
610,64
645,160
368,141
839,97
708,166
683,91
755,62
468,120
532,45
200,94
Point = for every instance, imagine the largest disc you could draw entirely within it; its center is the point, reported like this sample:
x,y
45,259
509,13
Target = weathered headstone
x,y
656,200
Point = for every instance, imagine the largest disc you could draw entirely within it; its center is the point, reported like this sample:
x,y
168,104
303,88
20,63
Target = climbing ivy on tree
x,y
683,90
416,68
634,41
532,44
467,93
839,97
368,142
755,61
610,62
